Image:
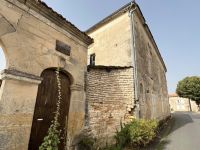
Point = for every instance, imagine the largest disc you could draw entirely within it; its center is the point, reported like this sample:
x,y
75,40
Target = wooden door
x,y
45,108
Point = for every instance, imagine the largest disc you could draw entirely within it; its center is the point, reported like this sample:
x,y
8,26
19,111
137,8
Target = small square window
x,y
92,59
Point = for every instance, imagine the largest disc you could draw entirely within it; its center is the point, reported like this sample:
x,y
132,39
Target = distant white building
x,y
181,104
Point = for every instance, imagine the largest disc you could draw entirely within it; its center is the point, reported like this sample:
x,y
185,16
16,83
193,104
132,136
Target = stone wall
x,y
110,100
28,39
181,104
113,47
152,83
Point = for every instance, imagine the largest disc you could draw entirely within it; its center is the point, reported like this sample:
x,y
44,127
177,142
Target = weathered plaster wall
x,y
112,46
152,84
28,40
110,101
16,111
112,43
181,104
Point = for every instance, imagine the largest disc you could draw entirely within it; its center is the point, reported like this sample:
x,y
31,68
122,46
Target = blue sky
x,y
175,25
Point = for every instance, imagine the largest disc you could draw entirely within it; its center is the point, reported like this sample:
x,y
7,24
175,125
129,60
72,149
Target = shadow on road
x,y
162,144
179,119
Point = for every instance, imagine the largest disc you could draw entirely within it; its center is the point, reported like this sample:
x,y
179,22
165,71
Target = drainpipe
x,y
134,59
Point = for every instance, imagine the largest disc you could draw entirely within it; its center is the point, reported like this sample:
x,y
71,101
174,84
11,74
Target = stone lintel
x,y
9,74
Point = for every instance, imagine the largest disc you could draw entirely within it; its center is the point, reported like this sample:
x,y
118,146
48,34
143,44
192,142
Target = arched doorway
x,y
45,107
2,62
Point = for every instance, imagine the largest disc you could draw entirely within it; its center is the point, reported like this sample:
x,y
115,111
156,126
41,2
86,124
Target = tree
x,y
189,88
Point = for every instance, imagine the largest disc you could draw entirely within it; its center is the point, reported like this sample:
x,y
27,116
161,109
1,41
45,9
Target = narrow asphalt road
x,y
184,134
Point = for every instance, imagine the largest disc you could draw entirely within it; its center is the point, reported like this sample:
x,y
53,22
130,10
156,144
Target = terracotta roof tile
x,y
173,95
42,8
100,67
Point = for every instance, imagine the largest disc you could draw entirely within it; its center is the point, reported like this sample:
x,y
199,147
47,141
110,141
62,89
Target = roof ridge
x,y
41,7
109,17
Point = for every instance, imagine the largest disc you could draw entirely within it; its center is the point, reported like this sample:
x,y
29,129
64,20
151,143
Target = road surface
x,y
184,133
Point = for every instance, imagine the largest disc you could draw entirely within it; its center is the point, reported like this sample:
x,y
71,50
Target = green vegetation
x,y
189,88
138,133
87,144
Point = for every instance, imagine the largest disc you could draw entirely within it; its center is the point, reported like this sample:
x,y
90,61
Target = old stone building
x,y
127,75
125,79
182,104
35,41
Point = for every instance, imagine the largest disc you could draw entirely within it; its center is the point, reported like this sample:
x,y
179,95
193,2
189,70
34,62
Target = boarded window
x,y
63,48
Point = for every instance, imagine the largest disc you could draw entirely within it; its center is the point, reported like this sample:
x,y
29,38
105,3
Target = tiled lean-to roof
x,y
46,11
108,67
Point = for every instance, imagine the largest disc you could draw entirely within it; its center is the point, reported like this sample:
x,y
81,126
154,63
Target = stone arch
x,y
63,70
4,55
5,28
3,60
29,46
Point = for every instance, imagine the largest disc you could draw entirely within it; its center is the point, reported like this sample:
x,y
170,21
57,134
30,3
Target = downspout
x,y
134,60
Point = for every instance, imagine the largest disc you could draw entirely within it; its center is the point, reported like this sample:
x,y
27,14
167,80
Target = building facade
x,y
181,104
36,40
126,78
124,40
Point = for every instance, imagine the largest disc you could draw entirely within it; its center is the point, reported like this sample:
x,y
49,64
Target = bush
x,y
137,133
123,137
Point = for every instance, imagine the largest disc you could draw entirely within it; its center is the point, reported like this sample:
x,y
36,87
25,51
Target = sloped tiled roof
x,y
101,67
46,11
